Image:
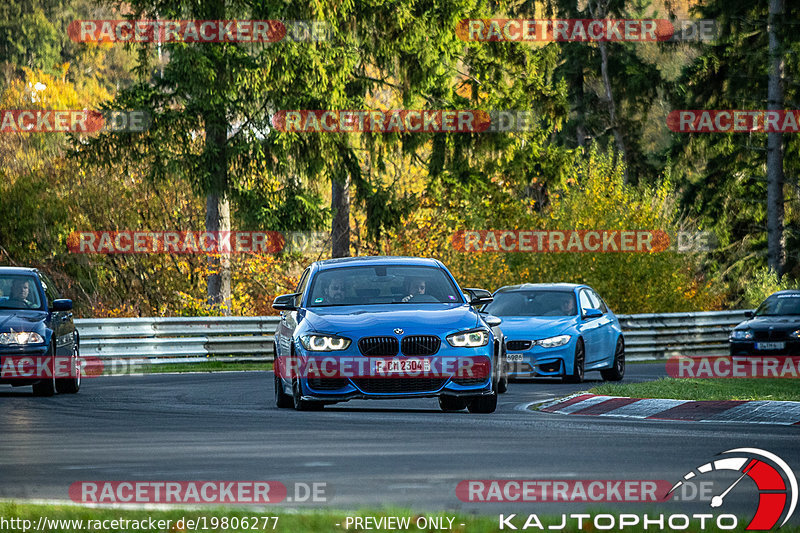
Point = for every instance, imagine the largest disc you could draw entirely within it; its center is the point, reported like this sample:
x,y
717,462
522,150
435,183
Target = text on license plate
x,y
770,345
514,357
402,365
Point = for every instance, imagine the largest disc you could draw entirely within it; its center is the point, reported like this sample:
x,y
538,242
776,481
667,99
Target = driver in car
x,y
20,290
414,287
568,306
335,292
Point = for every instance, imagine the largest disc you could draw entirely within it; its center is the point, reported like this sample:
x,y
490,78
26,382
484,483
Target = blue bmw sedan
x,y
38,340
385,328
559,329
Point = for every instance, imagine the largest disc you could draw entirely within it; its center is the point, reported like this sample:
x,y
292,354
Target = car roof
x,y
376,260
17,270
787,291
565,287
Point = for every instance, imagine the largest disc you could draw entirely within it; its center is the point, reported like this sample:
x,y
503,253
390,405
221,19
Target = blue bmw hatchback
x,y
559,329
385,327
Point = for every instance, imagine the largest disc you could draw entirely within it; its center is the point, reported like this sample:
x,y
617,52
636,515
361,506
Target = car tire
x,y
71,385
47,387
502,382
617,370
299,403
578,364
452,403
483,404
282,400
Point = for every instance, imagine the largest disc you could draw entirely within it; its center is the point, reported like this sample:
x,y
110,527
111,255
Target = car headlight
x,y
553,342
742,334
21,337
795,334
324,343
469,339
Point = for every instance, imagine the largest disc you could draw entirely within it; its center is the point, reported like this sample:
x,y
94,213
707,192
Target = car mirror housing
x,y
748,314
63,304
592,313
285,302
479,296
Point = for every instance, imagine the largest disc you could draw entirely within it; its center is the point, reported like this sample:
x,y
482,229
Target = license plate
x,y
770,345
514,357
402,365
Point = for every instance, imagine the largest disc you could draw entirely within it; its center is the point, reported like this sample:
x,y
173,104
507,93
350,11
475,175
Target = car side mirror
x,y
592,313
62,304
479,296
492,321
748,314
285,302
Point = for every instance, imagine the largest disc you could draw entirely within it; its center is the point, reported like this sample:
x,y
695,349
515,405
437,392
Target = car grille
x,y
767,335
470,381
378,346
327,383
518,345
399,385
420,345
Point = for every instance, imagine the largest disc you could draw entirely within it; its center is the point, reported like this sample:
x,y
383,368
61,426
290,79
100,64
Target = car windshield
x,y
382,284
19,292
780,304
533,303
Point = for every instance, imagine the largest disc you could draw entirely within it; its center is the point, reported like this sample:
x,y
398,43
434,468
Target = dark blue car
x,y
38,340
385,327
559,329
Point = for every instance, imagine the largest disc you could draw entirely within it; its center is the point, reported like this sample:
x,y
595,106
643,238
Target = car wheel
x,y
483,404
282,400
578,364
502,383
299,403
617,370
71,385
452,403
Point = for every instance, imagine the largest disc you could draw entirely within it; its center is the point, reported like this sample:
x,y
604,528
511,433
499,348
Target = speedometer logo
x,y
775,481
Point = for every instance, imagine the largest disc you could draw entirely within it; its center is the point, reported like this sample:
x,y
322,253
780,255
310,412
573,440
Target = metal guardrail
x,y
195,339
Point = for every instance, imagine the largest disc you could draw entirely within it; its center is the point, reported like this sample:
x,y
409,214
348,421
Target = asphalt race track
x,y
224,426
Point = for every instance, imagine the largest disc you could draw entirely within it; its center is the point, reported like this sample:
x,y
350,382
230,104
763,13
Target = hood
x,y
434,319
780,322
22,320
535,327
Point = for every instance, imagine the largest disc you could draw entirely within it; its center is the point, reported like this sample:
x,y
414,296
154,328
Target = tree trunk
x,y
340,225
218,218
775,237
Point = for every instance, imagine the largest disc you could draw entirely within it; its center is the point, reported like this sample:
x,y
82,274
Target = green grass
x,y
209,366
312,521
707,389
